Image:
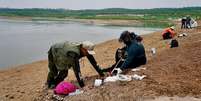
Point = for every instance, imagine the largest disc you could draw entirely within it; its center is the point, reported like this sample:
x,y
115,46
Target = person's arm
x,y
77,72
95,65
76,68
132,52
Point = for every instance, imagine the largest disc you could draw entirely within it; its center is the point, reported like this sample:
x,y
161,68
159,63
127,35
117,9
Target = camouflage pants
x,y
55,76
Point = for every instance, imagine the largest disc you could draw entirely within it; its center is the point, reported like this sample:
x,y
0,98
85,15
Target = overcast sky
x,y
98,4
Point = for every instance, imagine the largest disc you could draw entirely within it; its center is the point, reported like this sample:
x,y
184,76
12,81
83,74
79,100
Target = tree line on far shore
x,y
110,13
157,17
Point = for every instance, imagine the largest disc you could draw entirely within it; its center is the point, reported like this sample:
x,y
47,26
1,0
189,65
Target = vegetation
x,y
162,15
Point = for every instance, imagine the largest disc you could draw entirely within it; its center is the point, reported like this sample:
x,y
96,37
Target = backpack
x,y
64,88
174,43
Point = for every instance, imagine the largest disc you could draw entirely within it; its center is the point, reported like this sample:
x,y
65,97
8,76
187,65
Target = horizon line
x,y
106,8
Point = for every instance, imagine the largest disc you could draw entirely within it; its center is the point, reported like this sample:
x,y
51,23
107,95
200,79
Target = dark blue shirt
x,y
135,55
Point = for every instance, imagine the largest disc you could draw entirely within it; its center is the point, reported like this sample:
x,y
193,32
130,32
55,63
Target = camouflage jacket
x,y
62,54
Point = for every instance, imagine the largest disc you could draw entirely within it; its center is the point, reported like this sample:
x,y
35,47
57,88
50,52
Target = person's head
x,y
126,37
87,48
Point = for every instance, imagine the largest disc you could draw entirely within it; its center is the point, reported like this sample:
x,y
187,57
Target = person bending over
x,y
168,33
63,56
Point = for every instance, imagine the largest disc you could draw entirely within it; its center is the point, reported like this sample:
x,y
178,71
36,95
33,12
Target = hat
x,y
172,27
89,46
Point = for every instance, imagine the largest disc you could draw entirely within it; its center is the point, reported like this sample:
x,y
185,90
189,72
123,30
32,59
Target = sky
x,y
98,4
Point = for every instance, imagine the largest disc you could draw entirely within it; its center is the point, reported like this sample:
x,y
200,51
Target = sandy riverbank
x,y
171,72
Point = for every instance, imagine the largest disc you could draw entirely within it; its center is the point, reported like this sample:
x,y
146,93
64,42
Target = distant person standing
x,y
188,22
183,23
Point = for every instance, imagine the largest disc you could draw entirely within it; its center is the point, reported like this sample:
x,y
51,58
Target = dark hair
x,y
133,35
127,37
136,37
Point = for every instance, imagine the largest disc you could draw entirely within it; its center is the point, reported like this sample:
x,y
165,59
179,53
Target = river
x,y
23,42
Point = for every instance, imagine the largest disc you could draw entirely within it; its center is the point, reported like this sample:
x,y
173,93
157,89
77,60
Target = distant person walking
x,y
66,55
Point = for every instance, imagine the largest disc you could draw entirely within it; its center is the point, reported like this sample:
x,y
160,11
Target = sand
x,y
172,74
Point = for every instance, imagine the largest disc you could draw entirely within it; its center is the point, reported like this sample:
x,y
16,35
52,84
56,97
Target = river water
x,y
23,42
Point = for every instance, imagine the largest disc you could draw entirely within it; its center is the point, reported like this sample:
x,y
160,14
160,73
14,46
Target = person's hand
x,y
81,83
101,73
116,71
